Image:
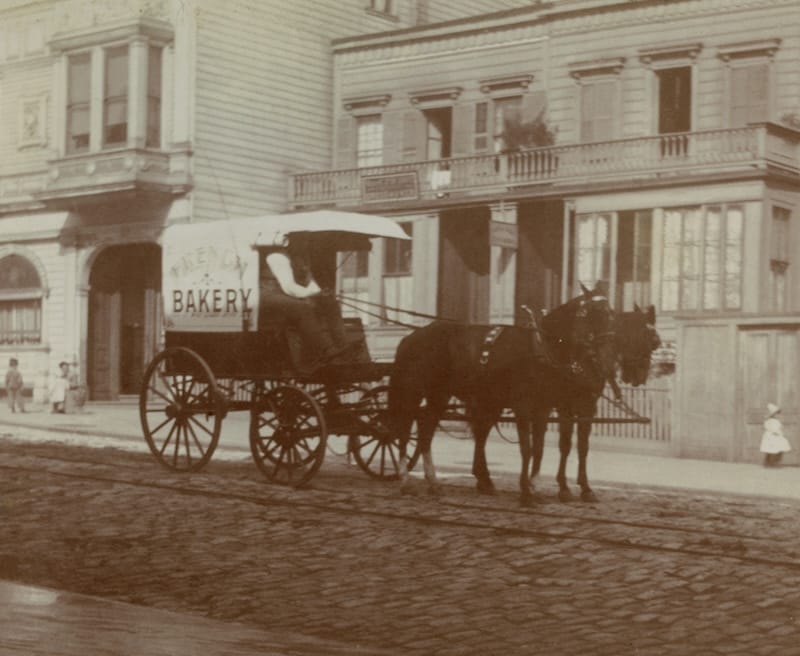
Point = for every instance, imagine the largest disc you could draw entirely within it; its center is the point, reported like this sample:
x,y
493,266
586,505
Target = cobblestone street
x,y
642,572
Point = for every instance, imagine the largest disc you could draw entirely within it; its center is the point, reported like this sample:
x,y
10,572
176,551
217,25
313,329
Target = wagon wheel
x,y
181,410
287,435
377,451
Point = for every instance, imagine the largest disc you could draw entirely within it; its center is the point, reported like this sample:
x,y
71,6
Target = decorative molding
x,y
430,96
682,51
32,121
363,103
602,66
142,27
72,15
763,48
519,82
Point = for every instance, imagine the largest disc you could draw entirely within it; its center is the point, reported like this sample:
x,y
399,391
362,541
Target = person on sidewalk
x,y
14,385
773,442
63,390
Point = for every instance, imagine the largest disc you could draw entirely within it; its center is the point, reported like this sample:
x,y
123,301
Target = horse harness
x,y
488,342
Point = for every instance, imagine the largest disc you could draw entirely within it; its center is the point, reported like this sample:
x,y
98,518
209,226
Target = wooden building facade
x,y
652,144
117,118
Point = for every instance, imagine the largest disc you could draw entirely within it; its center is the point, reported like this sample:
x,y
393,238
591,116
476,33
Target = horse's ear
x,y
636,307
585,291
651,314
600,288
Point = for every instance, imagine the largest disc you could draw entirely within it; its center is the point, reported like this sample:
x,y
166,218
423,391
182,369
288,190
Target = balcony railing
x,y
75,177
684,154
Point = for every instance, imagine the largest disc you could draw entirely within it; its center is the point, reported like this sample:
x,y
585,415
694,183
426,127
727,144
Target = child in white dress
x,y
773,442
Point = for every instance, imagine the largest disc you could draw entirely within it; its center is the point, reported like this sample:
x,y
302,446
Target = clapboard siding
x,y
28,79
444,10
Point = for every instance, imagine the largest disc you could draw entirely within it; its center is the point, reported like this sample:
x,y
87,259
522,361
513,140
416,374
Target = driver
x,y
288,290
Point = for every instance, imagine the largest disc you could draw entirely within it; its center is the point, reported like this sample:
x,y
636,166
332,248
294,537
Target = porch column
x,y
566,263
503,242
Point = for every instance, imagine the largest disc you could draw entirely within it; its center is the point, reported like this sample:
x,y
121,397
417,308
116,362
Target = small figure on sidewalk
x,y
773,442
59,389
14,385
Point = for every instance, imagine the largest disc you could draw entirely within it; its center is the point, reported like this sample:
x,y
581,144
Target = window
x,y
634,239
20,302
597,110
592,248
779,258
115,97
354,283
153,139
369,148
438,132
481,127
749,94
702,259
78,96
397,281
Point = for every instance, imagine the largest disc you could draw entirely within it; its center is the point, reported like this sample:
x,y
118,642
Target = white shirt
x,y
281,268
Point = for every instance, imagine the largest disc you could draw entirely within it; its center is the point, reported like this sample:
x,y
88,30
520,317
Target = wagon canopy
x,y
210,269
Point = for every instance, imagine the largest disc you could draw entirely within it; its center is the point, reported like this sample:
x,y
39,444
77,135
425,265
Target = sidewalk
x,y
117,425
38,621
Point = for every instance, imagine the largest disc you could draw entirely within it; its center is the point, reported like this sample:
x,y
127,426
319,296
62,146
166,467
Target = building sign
x,y
389,186
503,234
210,278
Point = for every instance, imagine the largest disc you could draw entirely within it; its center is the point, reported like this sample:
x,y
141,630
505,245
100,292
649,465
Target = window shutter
x,y
412,131
393,137
346,143
463,119
758,84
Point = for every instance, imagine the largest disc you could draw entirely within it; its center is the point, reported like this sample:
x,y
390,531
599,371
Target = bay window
x,y
111,88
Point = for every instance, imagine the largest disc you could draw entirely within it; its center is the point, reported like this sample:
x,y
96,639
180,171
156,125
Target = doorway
x,y
124,318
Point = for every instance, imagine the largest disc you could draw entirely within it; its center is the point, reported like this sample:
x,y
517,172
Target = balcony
x,y
680,157
95,176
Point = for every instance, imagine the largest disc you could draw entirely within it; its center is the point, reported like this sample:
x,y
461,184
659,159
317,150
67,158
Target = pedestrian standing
x,y
14,385
58,391
773,442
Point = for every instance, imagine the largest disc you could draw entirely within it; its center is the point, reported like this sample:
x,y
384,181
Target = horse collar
x,y
488,343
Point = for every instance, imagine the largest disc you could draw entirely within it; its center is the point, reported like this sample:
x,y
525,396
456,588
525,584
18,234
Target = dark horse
x,y
493,368
575,397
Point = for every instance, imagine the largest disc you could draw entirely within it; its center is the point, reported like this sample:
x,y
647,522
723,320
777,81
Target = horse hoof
x,y
565,495
527,500
588,496
435,490
485,487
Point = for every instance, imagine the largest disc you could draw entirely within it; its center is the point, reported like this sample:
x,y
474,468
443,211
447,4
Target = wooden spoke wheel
x,y
181,410
376,450
287,435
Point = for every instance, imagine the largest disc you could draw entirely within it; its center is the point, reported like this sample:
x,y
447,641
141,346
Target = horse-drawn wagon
x,y
223,353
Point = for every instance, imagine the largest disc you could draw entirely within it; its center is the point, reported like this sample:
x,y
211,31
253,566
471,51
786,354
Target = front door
x,y
124,318
769,373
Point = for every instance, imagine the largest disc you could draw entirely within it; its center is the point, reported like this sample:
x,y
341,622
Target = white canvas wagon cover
x,y
210,270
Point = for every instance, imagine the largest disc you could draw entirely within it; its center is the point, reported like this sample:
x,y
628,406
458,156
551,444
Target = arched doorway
x,y
124,318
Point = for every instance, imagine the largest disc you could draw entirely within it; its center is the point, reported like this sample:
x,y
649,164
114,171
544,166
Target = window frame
x,y
737,56
369,157
13,301
780,257
123,99
683,279
391,248
83,105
